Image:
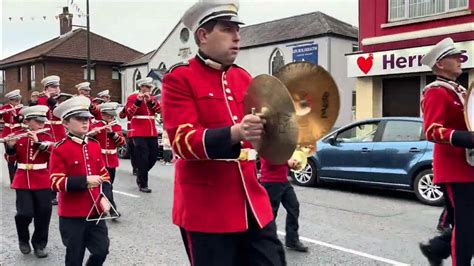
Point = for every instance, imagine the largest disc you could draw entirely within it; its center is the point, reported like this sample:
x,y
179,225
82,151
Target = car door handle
x,y
415,150
365,150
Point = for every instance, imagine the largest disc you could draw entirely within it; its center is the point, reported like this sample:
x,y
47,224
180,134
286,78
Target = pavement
x,y
341,224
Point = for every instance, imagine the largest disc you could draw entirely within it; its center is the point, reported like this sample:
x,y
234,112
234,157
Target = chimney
x,y
65,21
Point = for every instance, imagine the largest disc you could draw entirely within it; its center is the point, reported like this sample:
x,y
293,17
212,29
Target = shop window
x,y
407,9
276,61
463,79
401,96
136,76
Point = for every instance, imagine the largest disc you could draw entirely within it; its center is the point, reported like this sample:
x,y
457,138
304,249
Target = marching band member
x,y
10,114
109,134
444,124
31,182
274,178
123,115
104,96
79,175
51,93
84,89
50,98
33,98
141,108
224,214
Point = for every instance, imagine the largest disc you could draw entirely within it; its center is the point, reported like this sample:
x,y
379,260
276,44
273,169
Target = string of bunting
x,y
76,10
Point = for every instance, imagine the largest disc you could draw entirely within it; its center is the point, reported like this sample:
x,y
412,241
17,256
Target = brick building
x,y
66,56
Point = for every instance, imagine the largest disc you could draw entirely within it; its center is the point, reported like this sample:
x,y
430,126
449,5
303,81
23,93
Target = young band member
x,y
104,96
109,134
224,214
274,178
444,124
50,98
84,89
79,175
141,108
10,113
31,182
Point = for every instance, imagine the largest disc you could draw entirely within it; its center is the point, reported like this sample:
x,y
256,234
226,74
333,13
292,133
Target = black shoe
x,y
433,259
134,172
54,201
145,190
25,248
41,253
297,246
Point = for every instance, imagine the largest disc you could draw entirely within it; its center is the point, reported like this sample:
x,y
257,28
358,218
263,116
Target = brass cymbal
x,y
316,99
271,100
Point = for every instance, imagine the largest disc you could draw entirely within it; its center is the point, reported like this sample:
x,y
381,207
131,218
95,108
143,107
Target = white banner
x,y
399,61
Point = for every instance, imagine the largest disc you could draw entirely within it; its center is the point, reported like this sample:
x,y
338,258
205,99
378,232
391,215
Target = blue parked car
x,y
387,152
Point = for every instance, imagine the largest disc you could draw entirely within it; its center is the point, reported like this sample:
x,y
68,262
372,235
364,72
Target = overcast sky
x,y
140,24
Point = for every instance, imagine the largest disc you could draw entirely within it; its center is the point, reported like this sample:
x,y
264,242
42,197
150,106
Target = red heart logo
x,y
365,64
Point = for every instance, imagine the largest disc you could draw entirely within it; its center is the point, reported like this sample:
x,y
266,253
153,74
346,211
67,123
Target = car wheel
x,y
306,177
122,152
426,191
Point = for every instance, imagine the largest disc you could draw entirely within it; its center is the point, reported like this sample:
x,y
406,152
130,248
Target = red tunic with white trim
x,y
54,123
213,188
72,160
443,112
109,141
141,114
32,158
11,120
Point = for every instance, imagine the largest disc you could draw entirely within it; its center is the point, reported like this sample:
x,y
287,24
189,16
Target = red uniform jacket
x,y
72,160
273,173
11,119
200,104
94,109
141,114
57,129
109,141
32,159
443,111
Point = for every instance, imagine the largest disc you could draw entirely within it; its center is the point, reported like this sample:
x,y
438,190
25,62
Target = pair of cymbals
x,y
300,105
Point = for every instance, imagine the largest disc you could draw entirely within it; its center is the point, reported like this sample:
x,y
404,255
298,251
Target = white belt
x,y
12,125
104,151
245,155
143,117
50,122
30,166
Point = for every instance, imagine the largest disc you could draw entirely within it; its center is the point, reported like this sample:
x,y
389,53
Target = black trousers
x,y
77,234
167,156
283,192
112,172
130,147
254,247
11,170
145,153
33,205
441,244
461,196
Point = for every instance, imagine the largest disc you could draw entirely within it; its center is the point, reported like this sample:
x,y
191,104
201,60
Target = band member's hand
x,y
293,164
94,180
146,96
140,96
104,203
33,136
251,128
12,141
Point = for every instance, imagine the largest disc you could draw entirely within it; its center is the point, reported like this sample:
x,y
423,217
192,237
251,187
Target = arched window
x,y
162,66
136,76
276,61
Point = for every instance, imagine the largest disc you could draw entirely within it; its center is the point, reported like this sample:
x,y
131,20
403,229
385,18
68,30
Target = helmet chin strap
x,y
211,63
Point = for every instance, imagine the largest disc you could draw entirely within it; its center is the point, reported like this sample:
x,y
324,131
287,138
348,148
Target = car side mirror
x,y
332,140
